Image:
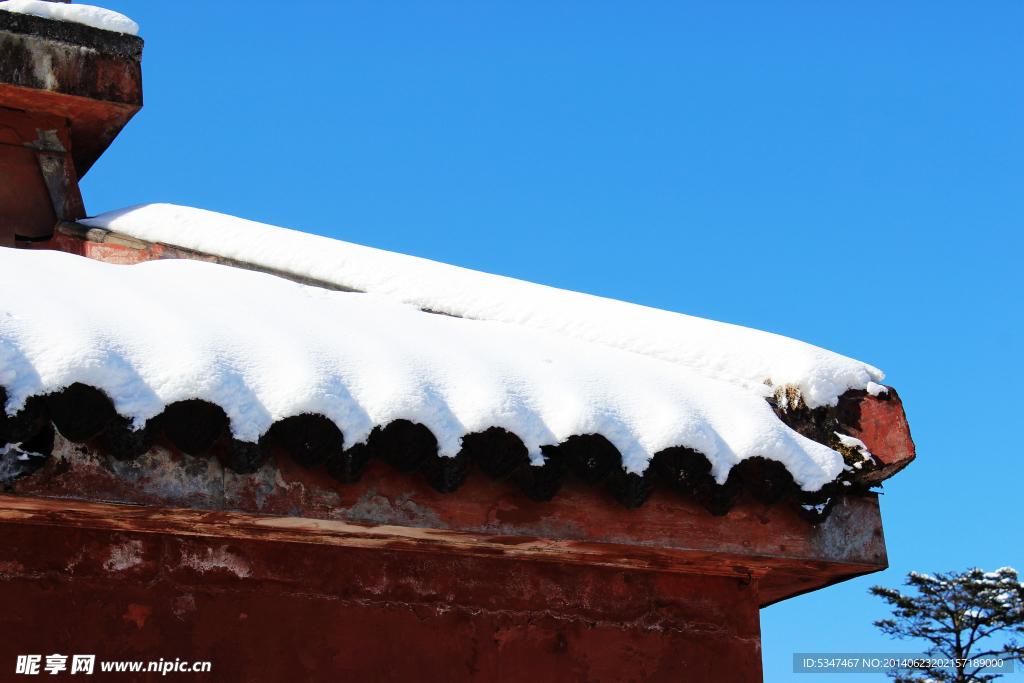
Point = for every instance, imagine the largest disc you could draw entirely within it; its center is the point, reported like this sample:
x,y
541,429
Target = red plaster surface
x,y
750,537
27,207
270,611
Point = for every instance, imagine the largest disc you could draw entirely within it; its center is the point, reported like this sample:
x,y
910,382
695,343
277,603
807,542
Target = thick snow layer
x,y
265,348
97,17
737,354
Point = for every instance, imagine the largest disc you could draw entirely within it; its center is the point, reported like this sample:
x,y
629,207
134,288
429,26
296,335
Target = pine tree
x,y
965,616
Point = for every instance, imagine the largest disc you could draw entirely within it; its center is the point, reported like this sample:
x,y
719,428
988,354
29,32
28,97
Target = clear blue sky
x,y
848,174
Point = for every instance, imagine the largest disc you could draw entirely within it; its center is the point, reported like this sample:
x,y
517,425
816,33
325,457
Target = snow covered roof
x,y
548,368
265,349
754,360
87,15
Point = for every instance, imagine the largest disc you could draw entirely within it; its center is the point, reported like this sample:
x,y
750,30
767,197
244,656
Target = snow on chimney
x,y
69,82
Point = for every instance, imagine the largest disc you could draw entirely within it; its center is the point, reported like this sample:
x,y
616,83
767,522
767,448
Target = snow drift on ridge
x,y
264,348
97,17
736,354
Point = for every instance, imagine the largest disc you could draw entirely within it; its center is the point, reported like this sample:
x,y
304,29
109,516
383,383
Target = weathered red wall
x,y
31,199
272,611
25,205
752,538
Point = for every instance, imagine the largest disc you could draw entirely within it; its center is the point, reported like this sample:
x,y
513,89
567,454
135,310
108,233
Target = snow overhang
x,y
342,380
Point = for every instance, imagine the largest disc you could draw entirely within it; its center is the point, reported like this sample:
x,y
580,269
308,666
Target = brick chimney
x,y
66,91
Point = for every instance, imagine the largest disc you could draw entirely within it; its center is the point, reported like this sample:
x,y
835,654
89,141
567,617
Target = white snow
x,y
97,17
876,389
265,348
760,362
